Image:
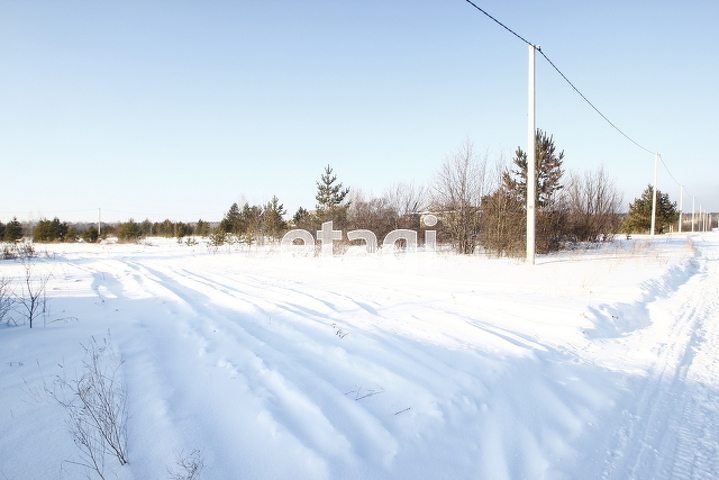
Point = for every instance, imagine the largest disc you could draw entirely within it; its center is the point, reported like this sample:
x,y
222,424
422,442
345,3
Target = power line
x,y
667,169
573,87
538,48
499,23
561,74
592,105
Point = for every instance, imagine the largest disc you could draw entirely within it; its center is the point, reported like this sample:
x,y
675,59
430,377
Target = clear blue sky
x,y
176,109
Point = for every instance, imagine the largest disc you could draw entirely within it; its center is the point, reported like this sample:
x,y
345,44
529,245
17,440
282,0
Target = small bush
x,y
96,405
7,300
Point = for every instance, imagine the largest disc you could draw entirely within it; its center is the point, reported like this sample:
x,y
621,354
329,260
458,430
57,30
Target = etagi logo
x,y
328,236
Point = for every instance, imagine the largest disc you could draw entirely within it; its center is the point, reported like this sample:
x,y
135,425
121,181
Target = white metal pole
x,y
654,194
693,210
681,206
531,161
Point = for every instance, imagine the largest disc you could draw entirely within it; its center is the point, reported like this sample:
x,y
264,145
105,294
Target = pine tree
x,y
202,228
233,221
71,235
305,220
548,167
639,217
49,231
274,223
504,213
330,197
90,235
147,228
299,215
129,231
13,231
182,230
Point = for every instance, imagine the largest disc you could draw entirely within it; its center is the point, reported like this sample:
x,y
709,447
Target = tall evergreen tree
x,y
233,221
504,213
274,223
331,198
639,217
548,167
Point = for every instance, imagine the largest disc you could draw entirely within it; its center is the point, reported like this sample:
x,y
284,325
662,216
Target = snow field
x,y
599,363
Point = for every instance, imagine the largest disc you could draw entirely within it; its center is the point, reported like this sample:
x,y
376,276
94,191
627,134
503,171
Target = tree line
x,y
481,206
53,231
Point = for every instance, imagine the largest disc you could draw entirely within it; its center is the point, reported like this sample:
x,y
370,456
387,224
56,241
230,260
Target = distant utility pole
x,y
531,161
693,210
99,215
654,196
681,206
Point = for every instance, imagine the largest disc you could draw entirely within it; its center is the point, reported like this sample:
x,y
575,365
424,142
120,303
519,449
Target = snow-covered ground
x,y
593,364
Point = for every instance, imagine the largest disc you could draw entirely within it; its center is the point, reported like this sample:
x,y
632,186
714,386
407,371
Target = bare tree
x,y
594,204
457,192
407,201
373,213
33,301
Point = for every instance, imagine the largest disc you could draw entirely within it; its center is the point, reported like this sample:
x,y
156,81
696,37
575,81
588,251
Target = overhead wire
x,y
499,23
539,49
591,104
566,79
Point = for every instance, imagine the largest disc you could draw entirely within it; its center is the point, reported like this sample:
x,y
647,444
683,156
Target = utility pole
x,y
99,223
693,203
654,195
681,206
531,160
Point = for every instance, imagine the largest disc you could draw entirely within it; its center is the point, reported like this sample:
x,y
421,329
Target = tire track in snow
x,y
294,375
286,385
697,428
672,431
